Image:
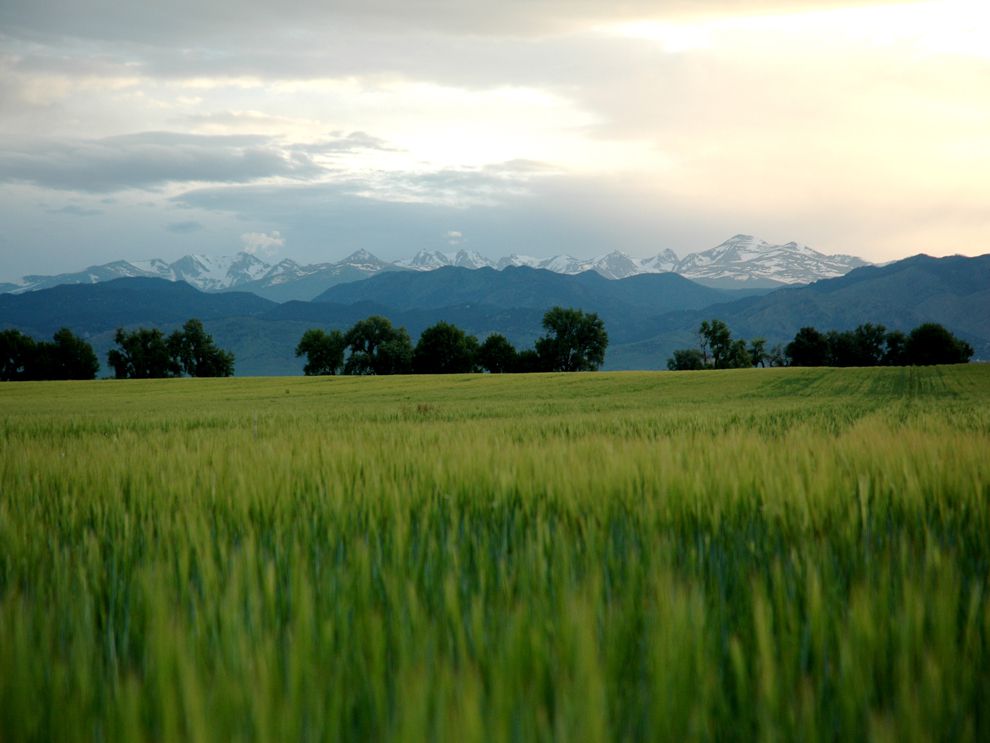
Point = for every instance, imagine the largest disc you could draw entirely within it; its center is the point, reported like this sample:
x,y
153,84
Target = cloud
x,y
245,121
488,185
349,143
259,243
150,159
193,20
454,237
76,211
184,228
456,188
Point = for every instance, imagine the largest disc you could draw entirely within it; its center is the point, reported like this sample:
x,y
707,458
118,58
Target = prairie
x,y
772,554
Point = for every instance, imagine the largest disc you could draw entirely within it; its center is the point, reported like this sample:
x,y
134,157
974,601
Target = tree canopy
x,y
378,348
196,354
574,341
497,355
686,359
142,354
66,356
809,348
324,351
445,349
16,355
931,343
715,339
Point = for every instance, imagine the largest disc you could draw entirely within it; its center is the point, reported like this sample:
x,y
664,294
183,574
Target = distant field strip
x,y
767,554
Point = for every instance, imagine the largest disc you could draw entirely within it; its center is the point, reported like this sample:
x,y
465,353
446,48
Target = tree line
x,y
868,345
66,356
144,353
573,341
147,353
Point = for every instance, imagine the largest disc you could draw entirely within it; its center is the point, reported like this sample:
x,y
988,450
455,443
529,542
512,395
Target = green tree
x,y
758,352
715,339
686,359
142,354
841,348
863,346
497,355
894,348
737,357
378,348
445,349
324,351
871,343
809,348
67,356
17,352
931,343
528,361
195,353
575,340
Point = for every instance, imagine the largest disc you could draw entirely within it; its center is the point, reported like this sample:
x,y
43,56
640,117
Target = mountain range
x,y
647,316
741,261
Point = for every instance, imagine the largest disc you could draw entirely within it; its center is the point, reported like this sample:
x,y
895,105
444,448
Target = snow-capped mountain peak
x,y
364,260
153,266
616,265
563,264
516,260
470,259
748,258
662,262
246,267
425,260
428,260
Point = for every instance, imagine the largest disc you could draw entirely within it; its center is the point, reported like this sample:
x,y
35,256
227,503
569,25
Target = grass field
x,y
780,554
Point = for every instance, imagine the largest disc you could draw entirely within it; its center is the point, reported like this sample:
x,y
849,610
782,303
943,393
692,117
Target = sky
x,y
313,128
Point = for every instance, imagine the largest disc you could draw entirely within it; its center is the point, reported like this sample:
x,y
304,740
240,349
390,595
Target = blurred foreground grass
x,y
786,554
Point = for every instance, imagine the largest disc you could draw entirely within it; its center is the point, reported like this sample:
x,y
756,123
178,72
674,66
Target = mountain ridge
x,y
743,260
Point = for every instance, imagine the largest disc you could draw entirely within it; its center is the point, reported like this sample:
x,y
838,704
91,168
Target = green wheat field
x,y
767,554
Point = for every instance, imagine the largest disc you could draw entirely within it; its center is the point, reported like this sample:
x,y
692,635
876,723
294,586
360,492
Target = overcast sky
x,y
312,128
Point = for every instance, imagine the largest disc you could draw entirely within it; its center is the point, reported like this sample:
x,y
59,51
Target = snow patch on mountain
x,y
516,261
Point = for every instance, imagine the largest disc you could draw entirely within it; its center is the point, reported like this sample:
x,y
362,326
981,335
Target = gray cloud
x,y
149,160
333,143
536,43
191,20
184,228
311,51
454,188
75,210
